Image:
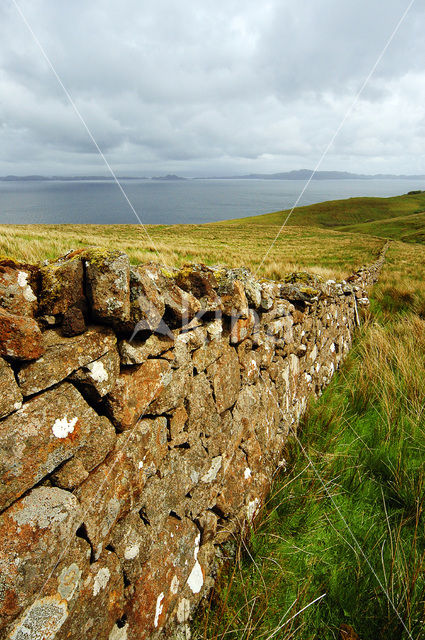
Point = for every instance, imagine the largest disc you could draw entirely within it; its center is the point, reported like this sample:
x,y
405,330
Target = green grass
x,y
365,439
338,213
410,228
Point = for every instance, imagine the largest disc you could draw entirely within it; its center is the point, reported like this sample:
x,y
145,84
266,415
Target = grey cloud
x,y
207,88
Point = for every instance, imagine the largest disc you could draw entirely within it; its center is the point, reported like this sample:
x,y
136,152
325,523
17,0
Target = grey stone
x,y
62,356
10,395
45,432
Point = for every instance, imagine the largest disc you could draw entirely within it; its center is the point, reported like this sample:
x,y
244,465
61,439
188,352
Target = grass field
x,y
321,250
410,228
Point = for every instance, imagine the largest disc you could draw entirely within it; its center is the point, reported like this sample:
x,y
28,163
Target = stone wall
x,y
143,412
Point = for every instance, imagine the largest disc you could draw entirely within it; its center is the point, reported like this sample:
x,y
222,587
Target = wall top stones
x,y
100,286
143,412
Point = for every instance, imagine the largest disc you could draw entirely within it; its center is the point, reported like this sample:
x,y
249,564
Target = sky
x,y
203,88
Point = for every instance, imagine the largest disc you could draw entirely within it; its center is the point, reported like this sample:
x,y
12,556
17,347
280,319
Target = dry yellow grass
x,y
402,282
326,252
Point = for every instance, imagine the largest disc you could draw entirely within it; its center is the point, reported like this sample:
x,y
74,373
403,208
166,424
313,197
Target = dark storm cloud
x,y
198,88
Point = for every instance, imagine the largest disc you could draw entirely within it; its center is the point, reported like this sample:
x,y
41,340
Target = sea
x,y
192,201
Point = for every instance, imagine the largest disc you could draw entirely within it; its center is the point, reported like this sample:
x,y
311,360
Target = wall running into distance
x,y
143,412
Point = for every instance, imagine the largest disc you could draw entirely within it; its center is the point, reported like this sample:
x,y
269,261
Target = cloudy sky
x,y
211,88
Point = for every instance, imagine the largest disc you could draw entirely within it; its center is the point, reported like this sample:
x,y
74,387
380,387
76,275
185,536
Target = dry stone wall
x,y
143,412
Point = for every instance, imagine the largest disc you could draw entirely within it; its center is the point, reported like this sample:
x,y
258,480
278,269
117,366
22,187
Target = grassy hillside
x,y
338,213
410,228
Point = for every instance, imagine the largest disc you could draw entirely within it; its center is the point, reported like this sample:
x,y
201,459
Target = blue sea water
x,y
173,202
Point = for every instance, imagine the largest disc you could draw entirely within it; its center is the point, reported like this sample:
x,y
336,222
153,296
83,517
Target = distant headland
x,y
297,174
307,174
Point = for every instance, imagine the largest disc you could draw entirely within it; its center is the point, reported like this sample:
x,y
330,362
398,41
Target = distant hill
x,y
64,178
170,176
306,174
19,178
298,174
85,178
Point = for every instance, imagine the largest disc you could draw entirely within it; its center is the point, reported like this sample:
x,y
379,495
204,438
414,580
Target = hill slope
x,y
408,228
334,214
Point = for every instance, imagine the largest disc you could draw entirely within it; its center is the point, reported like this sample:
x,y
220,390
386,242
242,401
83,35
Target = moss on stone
x,y
221,276
52,285
98,256
9,262
308,291
303,277
169,274
58,282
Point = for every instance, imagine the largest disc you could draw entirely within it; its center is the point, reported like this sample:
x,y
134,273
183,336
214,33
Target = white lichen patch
x,y
196,578
183,610
215,329
98,371
42,620
174,585
152,274
131,552
252,508
69,580
44,507
63,427
196,549
113,304
101,579
247,473
213,470
159,608
194,476
22,279
17,405
165,378
27,291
